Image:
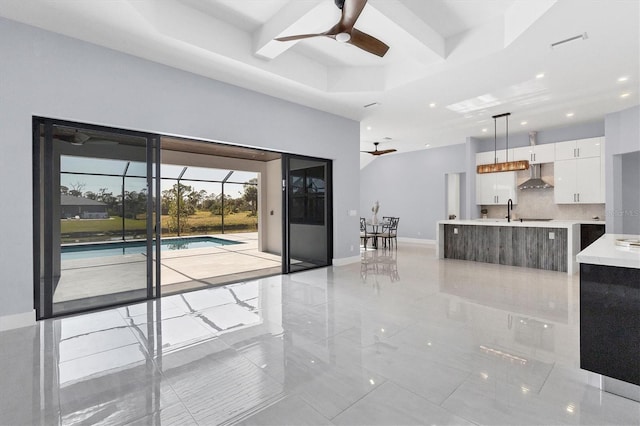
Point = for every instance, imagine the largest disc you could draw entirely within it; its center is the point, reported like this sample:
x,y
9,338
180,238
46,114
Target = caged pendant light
x,y
507,166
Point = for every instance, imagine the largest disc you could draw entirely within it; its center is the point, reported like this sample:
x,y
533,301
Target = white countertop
x,y
604,251
530,224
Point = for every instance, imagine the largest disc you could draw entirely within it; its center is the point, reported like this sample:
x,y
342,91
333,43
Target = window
x,y
308,196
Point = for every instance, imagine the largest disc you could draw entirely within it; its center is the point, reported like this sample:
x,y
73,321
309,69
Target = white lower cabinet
x,y
496,188
578,181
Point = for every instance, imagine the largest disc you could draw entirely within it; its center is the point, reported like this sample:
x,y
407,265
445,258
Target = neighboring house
x,y
81,207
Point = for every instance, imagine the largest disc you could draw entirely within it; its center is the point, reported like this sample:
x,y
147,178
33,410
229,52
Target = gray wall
x,y
45,74
412,186
556,134
623,137
630,170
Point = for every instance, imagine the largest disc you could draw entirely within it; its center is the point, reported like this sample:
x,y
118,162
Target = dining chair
x,y
364,235
390,231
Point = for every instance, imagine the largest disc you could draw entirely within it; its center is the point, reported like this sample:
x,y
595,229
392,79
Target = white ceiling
x,y
470,58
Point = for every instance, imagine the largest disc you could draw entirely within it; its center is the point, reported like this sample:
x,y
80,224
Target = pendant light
x,y
506,166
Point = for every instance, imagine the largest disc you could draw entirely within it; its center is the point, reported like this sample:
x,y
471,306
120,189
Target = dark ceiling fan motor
x,y
339,3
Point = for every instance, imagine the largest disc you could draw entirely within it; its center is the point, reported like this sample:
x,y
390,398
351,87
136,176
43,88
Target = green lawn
x,y
111,225
202,222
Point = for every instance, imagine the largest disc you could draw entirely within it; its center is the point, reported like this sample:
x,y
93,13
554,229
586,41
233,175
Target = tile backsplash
x,y
540,204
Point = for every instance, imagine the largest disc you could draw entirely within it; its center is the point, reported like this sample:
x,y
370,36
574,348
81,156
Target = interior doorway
x,y
455,194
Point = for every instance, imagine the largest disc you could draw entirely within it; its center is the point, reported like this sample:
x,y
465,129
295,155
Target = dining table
x,y
376,230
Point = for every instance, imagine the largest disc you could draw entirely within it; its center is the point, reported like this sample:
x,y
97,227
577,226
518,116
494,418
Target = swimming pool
x,y
85,251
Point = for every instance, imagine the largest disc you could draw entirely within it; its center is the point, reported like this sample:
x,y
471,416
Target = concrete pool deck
x,y
180,269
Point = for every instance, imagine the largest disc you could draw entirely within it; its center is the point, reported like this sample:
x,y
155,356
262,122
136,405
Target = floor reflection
x,y
455,342
379,263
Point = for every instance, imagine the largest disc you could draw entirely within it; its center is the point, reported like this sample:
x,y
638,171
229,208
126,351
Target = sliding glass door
x,y
103,198
96,216
307,230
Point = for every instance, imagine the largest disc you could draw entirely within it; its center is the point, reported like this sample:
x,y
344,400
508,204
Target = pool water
x,y
86,251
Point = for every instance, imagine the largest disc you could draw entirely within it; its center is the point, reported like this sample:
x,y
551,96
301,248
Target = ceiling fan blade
x,y
383,151
368,43
351,11
299,37
380,152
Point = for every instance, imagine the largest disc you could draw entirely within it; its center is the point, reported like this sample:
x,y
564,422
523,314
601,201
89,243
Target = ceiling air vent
x,y
582,36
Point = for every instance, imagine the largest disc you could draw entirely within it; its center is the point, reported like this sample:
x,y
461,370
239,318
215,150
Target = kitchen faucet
x,y
509,208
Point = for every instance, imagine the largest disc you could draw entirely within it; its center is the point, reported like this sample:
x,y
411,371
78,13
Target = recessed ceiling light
x,y
541,75
522,123
432,104
484,130
428,145
623,79
368,127
625,95
569,114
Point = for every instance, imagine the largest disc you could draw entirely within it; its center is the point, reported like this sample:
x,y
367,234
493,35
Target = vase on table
x,y
374,210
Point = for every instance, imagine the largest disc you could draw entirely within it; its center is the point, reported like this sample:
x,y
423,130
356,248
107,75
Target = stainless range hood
x,y
535,180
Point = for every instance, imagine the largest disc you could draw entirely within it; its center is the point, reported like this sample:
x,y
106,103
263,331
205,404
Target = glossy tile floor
x,y
402,338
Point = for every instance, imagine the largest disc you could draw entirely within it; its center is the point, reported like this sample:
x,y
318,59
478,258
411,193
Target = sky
x,y
136,171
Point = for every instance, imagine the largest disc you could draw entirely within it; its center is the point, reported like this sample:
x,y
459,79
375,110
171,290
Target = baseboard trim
x,y
416,240
346,260
25,319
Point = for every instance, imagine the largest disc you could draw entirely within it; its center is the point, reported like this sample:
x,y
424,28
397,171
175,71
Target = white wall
x,y
273,203
49,75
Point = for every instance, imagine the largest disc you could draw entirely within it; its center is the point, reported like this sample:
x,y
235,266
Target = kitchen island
x,y
610,312
551,245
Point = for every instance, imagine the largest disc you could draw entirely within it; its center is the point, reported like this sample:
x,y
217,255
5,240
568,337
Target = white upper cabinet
x,y
579,172
581,148
536,154
578,181
491,157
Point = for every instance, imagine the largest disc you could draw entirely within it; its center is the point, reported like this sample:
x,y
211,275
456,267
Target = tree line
x,y
178,201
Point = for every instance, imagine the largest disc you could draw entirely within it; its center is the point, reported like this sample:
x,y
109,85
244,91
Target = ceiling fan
x,y
381,152
344,32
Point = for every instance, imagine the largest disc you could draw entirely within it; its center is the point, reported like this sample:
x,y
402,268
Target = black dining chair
x,y
364,235
390,231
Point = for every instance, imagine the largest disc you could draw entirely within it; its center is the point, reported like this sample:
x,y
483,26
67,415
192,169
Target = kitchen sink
x,y
534,220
